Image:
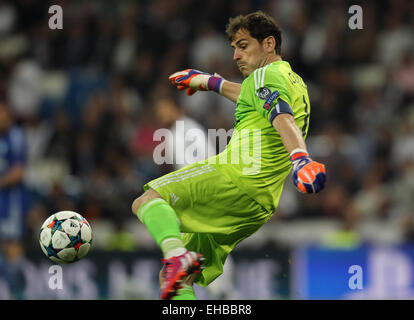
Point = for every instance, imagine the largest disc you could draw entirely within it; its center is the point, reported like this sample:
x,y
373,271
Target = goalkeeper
x,y
218,202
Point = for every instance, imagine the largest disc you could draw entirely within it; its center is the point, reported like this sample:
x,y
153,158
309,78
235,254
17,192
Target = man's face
x,y
249,54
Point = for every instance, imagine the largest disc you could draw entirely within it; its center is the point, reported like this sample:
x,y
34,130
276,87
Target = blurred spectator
x,y
396,38
210,50
126,48
7,18
403,75
25,88
13,201
185,135
13,194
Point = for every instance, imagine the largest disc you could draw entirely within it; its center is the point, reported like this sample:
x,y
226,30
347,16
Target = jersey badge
x,y
263,93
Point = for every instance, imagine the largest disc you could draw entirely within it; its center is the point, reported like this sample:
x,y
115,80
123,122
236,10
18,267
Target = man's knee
x,y
145,197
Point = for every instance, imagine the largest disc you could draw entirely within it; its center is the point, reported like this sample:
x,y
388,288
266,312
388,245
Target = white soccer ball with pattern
x,y
65,237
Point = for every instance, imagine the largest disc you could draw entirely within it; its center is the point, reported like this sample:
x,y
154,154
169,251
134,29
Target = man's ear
x,y
269,44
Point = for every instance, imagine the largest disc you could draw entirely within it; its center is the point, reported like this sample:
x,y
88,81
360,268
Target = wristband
x,y
298,154
214,84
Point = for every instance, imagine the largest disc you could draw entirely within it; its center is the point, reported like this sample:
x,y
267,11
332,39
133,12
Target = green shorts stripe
x,y
181,176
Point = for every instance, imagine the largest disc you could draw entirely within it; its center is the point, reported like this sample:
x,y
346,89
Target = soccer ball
x,y
65,237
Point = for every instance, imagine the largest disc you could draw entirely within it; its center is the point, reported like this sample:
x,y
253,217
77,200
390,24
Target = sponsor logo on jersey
x,y
271,98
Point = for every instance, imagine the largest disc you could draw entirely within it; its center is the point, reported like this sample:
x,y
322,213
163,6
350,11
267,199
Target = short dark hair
x,y
260,26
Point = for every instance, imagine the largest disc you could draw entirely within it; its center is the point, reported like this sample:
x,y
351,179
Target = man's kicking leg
x,y
163,225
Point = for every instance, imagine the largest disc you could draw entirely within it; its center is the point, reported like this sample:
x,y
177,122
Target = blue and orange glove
x,y
194,80
308,176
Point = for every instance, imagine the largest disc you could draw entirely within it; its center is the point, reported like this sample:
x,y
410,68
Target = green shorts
x,y
214,214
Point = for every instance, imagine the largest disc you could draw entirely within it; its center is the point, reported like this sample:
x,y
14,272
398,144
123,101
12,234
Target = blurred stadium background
x,y
84,98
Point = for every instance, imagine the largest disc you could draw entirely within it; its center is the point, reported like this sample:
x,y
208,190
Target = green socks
x,y
163,225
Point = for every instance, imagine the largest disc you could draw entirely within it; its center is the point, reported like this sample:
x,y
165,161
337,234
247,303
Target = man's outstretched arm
x,y
308,176
231,90
193,80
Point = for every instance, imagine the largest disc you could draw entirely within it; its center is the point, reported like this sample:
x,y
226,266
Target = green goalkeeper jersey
x,y
255,159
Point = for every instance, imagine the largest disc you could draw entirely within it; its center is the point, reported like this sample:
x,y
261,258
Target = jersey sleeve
x,y
271,94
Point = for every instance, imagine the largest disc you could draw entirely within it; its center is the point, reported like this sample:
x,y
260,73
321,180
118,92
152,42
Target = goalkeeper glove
x,y
308,176
194,80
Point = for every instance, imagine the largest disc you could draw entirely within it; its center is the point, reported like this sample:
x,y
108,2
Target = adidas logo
x,y
174,198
